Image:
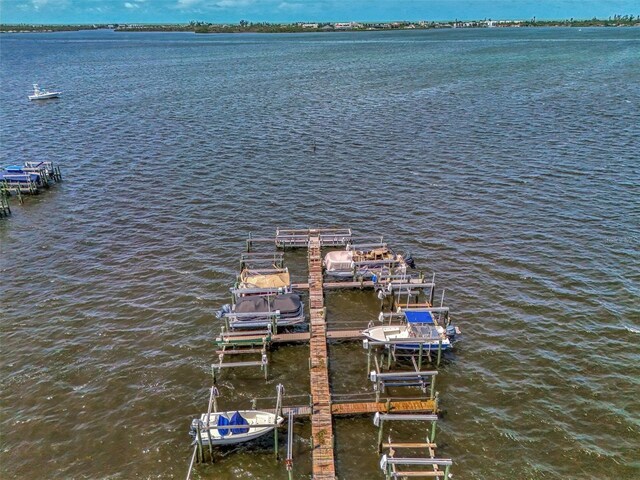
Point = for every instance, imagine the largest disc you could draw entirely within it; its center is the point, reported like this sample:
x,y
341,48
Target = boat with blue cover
x,y
421,326
227,428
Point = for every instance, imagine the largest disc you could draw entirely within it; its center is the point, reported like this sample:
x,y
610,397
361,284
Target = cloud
x,y
131,5
187,3
37,4
233,3
290,6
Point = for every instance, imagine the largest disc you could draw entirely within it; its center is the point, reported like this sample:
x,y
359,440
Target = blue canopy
x,y
238,419
222,421
418,317
19,177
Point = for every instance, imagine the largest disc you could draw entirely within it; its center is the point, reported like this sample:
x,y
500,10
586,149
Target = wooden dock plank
x,y
321,420
360,408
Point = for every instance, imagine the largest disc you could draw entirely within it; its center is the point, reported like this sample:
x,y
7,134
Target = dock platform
x,y
323,405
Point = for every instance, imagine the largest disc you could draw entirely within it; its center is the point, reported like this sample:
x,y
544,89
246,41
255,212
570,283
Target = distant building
x,y
309,25
343,26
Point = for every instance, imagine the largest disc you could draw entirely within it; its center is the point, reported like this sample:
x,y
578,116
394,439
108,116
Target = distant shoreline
x,y
263,27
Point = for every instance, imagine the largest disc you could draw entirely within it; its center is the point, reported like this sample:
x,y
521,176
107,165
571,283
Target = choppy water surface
x,y
504,160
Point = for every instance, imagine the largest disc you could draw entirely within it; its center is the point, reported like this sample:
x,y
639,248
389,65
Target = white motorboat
x,y
227,428
43,94
429,336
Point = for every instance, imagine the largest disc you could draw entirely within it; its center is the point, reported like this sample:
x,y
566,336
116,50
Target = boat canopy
x,y
252,279
20,177
338,260
418,317
238,419
223,421
288,304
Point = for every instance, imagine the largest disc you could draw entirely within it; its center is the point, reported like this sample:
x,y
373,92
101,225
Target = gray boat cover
x,y
252,304
289,304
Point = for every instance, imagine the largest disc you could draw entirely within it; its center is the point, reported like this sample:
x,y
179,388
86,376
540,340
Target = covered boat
x,y
362,261
226,428
265,278
421,326
258,311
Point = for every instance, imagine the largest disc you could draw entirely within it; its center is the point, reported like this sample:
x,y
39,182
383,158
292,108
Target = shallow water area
x,y
505,160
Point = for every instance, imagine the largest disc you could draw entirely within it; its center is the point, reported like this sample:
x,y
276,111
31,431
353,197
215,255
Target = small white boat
x,y
44,94
429,336
227,428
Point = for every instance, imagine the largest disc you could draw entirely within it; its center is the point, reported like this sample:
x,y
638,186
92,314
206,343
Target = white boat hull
x,y
392,333
45,96
264,422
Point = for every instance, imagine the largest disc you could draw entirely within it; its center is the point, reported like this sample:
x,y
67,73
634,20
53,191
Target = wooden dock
x,y
321,421
336,285
365,408
323,405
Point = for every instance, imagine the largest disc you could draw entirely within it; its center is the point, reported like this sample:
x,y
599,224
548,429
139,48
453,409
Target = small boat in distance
x,y
226,428
42,94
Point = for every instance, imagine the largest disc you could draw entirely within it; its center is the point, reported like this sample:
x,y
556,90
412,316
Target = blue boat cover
x,y
222,421
20,177
14,169
238,419
418,317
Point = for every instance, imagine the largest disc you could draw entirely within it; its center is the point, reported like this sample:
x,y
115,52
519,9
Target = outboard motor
x,y
193,431
223,311
451,332
410,262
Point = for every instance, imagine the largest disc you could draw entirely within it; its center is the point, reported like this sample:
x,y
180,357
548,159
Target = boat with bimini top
x,y
42,94
420,328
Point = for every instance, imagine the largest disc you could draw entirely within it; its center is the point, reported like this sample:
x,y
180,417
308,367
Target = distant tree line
x,y
266,27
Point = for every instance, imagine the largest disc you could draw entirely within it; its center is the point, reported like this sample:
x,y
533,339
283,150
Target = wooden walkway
x,y
298,337
321,423
366,408
336,285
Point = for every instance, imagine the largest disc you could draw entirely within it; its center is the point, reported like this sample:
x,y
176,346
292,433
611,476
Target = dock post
x,y
433,388
265,364
380,435
446,471
433,288
420,356
439,352
368,358
279,394
275,440
289,460
199,440
432,438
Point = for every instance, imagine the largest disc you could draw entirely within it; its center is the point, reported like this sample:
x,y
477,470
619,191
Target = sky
x,y
232,11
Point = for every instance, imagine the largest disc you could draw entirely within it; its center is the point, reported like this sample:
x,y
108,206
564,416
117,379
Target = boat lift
x,y
198,450
261,259
389,462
